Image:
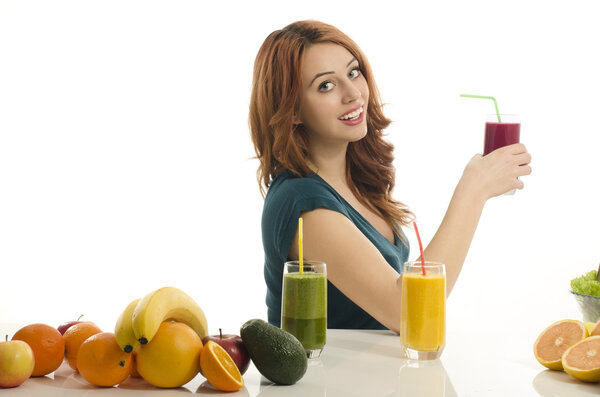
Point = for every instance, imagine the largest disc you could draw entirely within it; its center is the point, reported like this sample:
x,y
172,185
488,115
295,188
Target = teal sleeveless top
x,y
289,196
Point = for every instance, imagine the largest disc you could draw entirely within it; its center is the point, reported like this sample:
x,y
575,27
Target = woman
x,y
316,122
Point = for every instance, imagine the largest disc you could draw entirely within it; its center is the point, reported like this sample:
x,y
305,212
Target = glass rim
x,y
305,263
428,264
512,118
596,298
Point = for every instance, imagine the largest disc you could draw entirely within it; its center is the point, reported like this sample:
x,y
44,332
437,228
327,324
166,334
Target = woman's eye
x,y
354,73
326,86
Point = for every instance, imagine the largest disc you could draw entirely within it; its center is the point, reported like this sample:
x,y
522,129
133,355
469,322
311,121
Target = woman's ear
x,y
296,120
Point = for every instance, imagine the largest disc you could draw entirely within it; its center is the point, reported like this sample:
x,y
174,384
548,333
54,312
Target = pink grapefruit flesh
x,y
555,340
582,360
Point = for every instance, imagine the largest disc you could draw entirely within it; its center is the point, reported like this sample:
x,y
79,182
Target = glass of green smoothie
x,y
304,304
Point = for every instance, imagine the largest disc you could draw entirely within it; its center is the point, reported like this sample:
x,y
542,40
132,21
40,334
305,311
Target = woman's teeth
x,y
353,115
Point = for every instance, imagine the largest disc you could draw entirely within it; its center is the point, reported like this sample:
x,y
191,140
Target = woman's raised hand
x,y
498,172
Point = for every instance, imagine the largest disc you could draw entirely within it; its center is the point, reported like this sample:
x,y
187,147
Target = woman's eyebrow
x,y
324,73
317,76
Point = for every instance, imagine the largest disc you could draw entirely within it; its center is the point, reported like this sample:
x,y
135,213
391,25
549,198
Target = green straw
x,y
485,97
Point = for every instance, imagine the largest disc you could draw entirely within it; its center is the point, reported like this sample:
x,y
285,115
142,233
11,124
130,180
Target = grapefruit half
x,y
595,329
550,346
582,360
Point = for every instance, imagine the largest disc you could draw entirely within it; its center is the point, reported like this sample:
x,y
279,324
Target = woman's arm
x,y
354,265
359,271
483,178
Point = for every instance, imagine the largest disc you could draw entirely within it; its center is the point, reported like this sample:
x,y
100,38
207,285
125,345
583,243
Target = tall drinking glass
x,y
499,134
304,304
423,310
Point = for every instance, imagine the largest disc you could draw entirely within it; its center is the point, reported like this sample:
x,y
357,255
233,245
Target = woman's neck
x,y
330,163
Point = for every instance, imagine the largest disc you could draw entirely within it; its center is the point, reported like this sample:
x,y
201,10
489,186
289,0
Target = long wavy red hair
x,y
280,145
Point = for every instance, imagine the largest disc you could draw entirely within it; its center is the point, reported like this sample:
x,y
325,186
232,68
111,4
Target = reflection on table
x,y
369,363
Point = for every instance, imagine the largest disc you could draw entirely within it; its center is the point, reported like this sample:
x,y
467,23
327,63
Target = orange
x,y
219,368
172,357
582,360
47,344
102,362
74,337
134,372
555,340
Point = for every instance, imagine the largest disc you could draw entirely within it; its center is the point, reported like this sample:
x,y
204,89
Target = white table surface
x,y
368,363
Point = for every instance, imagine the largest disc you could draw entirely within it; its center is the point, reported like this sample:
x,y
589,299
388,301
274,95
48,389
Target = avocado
x,y
276,353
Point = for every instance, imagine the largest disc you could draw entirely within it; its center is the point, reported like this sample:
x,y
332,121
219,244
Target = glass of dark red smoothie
x,y
501,133
501,130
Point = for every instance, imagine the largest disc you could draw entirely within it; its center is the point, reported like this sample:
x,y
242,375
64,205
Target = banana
x,y
167,303
124,329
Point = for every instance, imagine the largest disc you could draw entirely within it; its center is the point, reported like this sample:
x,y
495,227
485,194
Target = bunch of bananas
x,y
140,320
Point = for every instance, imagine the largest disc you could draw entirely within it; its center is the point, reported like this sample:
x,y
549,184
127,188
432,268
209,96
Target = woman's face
x,y
335,95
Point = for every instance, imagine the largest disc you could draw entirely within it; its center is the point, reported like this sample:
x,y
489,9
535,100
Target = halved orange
x,y
555,340
582,360
219,368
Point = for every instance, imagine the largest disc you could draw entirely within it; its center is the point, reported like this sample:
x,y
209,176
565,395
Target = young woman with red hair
x,y
317,124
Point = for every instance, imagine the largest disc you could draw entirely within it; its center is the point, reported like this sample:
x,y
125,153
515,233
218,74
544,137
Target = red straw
x,y
420,248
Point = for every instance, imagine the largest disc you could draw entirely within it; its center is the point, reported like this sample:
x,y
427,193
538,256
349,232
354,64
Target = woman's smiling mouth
x,y
353,117
353,114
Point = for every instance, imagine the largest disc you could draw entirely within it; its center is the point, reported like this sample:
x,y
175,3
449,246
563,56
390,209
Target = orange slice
x,y
219,368
555,340
582,360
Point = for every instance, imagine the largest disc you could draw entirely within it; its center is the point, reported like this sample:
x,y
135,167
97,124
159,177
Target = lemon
x,y
589,326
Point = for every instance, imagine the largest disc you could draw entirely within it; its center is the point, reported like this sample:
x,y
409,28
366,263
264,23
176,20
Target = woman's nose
x,y
351,93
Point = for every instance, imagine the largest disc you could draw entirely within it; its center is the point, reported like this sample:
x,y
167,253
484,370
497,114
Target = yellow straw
x,y
300,244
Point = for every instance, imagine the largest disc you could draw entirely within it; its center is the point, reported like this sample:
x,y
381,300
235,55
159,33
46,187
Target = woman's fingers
x,y
524,170
499,171
515,148
523,158
519,184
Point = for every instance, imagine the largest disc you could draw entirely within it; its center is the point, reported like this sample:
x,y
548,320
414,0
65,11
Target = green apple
x,y
16,362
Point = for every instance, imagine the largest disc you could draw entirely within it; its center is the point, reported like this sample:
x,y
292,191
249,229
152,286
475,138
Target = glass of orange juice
x,y
423,310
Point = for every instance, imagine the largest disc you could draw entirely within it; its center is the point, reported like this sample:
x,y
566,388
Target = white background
x,y
126,162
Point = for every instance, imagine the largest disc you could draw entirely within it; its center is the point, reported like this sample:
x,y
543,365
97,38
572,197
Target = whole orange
x,y
172,357
102,362
74,337
134,372
47,344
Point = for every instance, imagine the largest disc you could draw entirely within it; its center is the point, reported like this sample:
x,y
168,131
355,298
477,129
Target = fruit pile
x,y
162,338
572,346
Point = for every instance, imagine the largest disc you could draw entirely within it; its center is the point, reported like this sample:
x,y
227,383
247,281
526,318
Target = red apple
x,y
65,326
234,346
16,362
